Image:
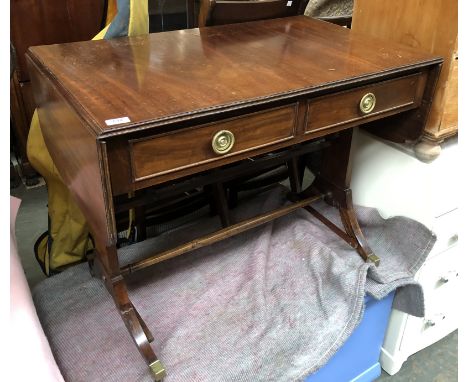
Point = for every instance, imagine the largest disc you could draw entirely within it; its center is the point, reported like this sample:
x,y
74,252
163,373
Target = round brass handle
x,y
367,103
222,142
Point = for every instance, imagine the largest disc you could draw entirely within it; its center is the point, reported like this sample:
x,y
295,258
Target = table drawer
x,y
197,145
365,102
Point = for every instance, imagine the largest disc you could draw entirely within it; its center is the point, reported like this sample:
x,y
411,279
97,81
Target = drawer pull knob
x,y
367,103
433,321
453,239
450,275
222,142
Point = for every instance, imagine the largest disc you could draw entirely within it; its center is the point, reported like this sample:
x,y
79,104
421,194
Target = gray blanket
x,y
272,304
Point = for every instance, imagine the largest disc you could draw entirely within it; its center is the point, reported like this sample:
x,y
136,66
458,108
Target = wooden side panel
x,y
192,147
449,123
18,115
76,155
431,26
50,22
21,109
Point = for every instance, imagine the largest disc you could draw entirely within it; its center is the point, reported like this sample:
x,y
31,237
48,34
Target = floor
x,y
31,222
437,363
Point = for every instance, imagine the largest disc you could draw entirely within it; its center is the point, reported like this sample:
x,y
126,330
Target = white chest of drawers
x,y
398,184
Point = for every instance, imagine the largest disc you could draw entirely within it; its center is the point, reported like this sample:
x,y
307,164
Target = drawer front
x,y
446,228
420,333
345,107
441,283
194,146
439,274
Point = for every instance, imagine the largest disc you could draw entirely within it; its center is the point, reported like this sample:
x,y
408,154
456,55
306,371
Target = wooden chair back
x,y
219,12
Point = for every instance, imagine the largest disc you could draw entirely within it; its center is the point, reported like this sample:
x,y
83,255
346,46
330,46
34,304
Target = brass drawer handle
x,y
222,142
433,321
367,103
450,275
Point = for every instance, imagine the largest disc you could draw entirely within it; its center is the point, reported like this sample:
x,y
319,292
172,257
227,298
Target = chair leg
x,y
219,195
295,178
140,223
233,197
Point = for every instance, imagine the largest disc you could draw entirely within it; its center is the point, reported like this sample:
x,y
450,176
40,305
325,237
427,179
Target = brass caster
x,y
373,259
158,370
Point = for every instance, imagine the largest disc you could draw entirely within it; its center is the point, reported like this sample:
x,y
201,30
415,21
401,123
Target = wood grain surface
x,y
78,158
171,76
265,81
191,147
430,26
343,108
52,22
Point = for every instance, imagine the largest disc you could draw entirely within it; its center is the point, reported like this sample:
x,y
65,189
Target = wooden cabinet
x,y
43,22
430,26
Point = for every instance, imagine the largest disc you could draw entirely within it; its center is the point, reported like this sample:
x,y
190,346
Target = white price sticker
x,y
117,121
289,3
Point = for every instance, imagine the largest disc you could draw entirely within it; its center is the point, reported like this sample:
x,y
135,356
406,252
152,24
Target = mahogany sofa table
x,y
202,107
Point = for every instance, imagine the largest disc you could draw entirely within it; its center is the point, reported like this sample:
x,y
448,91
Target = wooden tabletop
x,y
165,76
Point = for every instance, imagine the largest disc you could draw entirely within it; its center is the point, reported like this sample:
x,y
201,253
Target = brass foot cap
x,y
374,259
158,370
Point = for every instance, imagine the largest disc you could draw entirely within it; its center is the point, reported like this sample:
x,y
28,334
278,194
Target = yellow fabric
x,y
68,231
101,34
111,11
67,227
139,20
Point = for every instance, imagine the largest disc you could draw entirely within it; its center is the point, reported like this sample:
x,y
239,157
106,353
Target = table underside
x,y
328,159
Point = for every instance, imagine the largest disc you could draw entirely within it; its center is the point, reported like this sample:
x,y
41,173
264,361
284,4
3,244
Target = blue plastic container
x,y
358,359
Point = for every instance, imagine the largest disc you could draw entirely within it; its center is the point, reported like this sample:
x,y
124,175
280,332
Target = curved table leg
x,y
351,225
334,180
137,328
342,200
140,336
